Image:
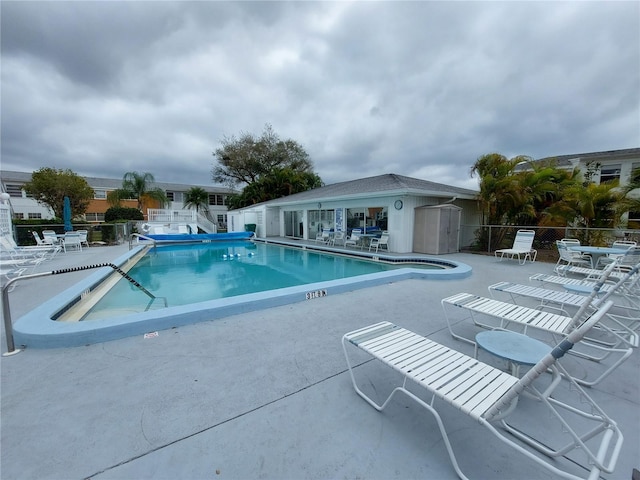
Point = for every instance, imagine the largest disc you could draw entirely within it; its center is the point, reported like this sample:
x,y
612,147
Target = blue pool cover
x,y
199,237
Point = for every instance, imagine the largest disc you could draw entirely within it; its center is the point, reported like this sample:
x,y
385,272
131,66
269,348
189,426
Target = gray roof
x,y
565,160
112,183
382,185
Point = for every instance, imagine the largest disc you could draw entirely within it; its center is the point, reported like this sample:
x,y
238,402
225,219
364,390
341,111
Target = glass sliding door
x,y
293,223
320,219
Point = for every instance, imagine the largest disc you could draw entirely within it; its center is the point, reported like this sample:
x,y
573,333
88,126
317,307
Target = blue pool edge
x,y
37,329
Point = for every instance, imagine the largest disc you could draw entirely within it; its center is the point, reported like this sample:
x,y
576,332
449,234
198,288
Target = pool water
x,y
190,273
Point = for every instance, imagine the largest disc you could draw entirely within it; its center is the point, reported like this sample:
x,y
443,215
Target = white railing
x,y
6,225
207,225
167,215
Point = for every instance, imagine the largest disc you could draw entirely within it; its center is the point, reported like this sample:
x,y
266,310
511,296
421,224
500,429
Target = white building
x,y
25,207
385,202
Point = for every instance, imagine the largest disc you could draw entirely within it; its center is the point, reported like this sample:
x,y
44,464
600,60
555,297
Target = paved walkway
x,y
258,395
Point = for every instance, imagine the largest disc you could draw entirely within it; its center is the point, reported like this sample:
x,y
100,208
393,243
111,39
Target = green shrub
x,y
107,233
122,213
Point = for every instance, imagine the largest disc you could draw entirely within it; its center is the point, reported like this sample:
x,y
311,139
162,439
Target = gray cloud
x,y
415,88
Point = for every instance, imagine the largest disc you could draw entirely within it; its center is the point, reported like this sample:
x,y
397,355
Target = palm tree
x,y
542,187
589,206
197,198
499,193
138,186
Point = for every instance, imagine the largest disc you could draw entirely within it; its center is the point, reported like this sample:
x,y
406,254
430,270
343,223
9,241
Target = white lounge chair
x,y
623,264
624,318
11,250
560,299
324,236
39,241
72,241
50,237
568,257
338,238
354,239
84,240
522,245
382,242
491,397
626,293
614,340
612,257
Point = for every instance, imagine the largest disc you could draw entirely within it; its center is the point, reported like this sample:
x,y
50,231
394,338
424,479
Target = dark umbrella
x,y
66,215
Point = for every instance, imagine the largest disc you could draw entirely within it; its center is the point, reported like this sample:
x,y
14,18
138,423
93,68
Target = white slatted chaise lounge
x,y
624,262
621,326
522,245
626,287
490,396
610,349
575,294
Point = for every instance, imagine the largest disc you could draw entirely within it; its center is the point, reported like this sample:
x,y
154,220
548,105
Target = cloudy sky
x,y
414,88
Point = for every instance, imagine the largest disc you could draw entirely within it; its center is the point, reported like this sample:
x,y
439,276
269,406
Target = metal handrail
x,y
6,309
140,236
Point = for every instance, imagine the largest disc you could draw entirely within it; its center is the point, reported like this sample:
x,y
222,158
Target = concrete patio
x,y
259,395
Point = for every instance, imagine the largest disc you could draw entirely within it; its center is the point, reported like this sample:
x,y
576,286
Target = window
x,y
215,199
635,168
18,216
175,196
94,217
14,190
370,217
35,215
609,173
100,194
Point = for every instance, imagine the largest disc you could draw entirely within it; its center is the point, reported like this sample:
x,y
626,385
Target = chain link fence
x,y
489,238
99,234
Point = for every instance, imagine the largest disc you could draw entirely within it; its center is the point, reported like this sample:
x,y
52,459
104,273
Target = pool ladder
x,y
6,310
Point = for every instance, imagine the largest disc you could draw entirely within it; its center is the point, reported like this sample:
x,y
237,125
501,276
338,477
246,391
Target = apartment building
x,y
604,166
25,207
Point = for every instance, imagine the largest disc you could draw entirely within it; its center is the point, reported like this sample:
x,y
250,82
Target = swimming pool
x,y
198,272
227,275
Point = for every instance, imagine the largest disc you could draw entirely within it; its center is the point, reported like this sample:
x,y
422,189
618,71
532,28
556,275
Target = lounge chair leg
x,y
402,389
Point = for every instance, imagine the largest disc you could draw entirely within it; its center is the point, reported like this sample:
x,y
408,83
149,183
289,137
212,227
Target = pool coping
x,y
38,329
